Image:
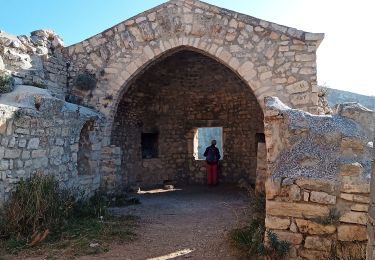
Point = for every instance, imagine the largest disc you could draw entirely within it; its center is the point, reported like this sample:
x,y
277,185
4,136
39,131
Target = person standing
x,y
212,155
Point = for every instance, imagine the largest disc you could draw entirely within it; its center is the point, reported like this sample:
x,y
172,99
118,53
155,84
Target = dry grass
x,y
42,218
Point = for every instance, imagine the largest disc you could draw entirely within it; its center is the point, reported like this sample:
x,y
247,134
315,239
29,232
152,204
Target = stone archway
x,y
167,101
273,60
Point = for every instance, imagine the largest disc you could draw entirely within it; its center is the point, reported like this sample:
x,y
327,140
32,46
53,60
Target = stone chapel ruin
x,y
122,108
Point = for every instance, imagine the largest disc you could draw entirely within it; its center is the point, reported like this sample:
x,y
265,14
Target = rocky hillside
x,y
335,96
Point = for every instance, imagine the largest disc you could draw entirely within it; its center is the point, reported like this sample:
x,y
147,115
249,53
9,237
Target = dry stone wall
x,y
41,134
319,179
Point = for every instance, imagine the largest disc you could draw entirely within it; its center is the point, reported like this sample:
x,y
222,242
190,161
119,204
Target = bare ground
x,y
191,223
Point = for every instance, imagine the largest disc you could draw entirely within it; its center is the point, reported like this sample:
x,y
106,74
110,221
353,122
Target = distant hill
x,y
335,96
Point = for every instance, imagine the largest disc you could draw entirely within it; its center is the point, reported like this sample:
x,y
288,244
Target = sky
x,y
344,59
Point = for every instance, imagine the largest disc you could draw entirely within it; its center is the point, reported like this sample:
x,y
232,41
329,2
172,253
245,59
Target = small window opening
x,y
150,144
84,148
202,139
260,137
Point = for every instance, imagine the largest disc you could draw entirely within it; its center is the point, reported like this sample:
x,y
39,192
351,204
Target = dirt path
x,y
192,223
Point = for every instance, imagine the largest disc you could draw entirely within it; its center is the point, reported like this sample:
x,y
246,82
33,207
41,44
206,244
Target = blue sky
x,y
345,58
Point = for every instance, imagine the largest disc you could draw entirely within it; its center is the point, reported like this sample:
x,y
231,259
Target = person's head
x,y
213,142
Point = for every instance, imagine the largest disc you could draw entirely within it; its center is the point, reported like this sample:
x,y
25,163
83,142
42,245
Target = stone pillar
x,y
371,215
112,180
261,172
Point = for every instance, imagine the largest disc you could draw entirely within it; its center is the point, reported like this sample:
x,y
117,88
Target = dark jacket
x,y
217,154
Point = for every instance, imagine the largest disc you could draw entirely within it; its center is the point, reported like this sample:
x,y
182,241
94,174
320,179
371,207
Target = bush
x,y
250,239
85,81
39,206
6,83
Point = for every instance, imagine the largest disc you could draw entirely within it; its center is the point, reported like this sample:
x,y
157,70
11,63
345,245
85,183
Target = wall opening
x,y
202,139
150,145
85,148
173,96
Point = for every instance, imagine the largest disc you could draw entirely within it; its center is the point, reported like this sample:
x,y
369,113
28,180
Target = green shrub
x,y
85,81
250,240
6,83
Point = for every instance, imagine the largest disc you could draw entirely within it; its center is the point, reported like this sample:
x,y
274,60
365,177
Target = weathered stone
x,y
318,243
322,197
33,144
292,238
294,193
38,153
293,227
351,233
355,197
360,207
317,185
313,228
272,187
354,217
306,196
354,186
277,223
12,153
293,209
298,87
353,169
313,254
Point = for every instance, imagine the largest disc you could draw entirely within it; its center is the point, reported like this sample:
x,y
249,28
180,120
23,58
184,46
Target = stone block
x,y
294,193
313,228
354,185
354,217
298,87
351,233
355,197
272,187
360,207
12,153
322,197
313,254
33,144
272,222
292,238
38,153
352,169
317,184
318,243
298,210
300,99
306,196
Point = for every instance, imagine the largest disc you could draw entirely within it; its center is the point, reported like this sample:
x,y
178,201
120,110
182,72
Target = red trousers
x,y
211,174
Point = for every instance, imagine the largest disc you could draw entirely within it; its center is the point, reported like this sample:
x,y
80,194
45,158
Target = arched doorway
x,y
164,106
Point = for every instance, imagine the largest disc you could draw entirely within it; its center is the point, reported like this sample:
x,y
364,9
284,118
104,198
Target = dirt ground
x,y
191,223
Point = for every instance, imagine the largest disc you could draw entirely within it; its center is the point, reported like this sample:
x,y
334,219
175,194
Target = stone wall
x,y
273,60
371,219
173,98
40,133
35,60
318,194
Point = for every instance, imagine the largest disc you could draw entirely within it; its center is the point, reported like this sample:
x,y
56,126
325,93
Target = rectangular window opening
x,y
260,137
202,139
150,145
